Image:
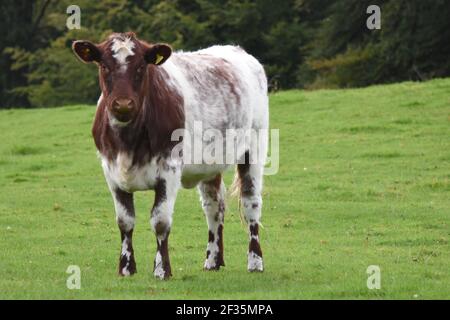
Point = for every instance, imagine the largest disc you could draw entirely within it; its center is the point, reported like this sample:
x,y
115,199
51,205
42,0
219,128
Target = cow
x,y
148,92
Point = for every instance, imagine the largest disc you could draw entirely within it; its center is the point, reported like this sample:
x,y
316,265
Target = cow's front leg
x,y
166,190
123,202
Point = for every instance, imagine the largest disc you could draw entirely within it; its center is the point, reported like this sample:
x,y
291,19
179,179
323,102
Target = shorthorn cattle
x,y
149,95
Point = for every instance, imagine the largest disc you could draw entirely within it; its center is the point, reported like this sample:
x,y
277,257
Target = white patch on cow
x,y
122,49
252,205
253,236
213,248
255,262
159,270
122,214
122,174
125,252
251,213
125,271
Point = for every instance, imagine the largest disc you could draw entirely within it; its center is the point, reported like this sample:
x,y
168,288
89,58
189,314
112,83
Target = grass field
x,y
364,180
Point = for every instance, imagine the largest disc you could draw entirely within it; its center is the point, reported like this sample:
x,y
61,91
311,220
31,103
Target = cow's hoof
x,y
162,276
211,266
213,263
127,268
127,273
162,273
255,263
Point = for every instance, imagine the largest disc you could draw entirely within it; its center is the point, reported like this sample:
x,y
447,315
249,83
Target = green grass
x,y
364,180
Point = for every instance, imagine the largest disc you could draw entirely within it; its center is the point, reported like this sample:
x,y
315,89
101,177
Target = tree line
x,y
306,44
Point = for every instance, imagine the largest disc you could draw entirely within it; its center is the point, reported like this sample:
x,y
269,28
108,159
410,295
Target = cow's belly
x,y
121,174
194,173
129,178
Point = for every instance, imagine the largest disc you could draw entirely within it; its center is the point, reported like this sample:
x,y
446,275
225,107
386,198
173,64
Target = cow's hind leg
x,y
250,177
125,217
213,202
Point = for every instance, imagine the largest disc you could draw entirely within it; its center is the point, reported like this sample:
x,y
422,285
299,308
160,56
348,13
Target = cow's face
x,y
123,71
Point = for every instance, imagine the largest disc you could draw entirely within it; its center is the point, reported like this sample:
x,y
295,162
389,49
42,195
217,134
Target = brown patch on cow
x,y
126,200
124,261
219,74
213,187
222,70
160,193
210,236
254,229
219,259
255,247
160,229
216,182
163,248
222,207
245,180
254,244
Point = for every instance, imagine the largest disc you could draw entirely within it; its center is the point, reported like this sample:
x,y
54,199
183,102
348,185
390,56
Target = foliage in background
x,y
302,43
413,43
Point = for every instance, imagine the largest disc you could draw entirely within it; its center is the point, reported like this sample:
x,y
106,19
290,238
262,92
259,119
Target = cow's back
x,y
218,82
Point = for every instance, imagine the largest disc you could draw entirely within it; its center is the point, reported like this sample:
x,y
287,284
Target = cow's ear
x,y
86,51
158,54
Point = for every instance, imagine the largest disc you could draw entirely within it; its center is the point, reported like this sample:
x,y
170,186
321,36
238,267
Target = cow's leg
x,y
123,202
166,189
213,202
250,177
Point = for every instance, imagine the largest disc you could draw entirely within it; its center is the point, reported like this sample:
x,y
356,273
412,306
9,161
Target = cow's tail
x,y
235,192
235,188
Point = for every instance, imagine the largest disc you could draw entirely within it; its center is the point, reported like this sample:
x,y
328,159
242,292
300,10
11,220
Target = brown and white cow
x,y
148,93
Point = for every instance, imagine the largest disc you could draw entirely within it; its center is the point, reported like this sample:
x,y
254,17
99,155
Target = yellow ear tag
x,y
159,58
85,53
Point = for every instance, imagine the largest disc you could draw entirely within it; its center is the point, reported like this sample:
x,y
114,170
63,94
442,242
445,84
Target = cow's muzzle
x,y
123,109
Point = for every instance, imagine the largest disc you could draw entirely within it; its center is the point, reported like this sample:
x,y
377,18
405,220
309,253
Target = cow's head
x,y
123,63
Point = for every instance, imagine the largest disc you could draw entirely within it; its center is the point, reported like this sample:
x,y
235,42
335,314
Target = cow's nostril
x,y
123,105
123,102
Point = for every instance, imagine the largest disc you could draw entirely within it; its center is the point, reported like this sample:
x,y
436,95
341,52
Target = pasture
x,y
364,180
